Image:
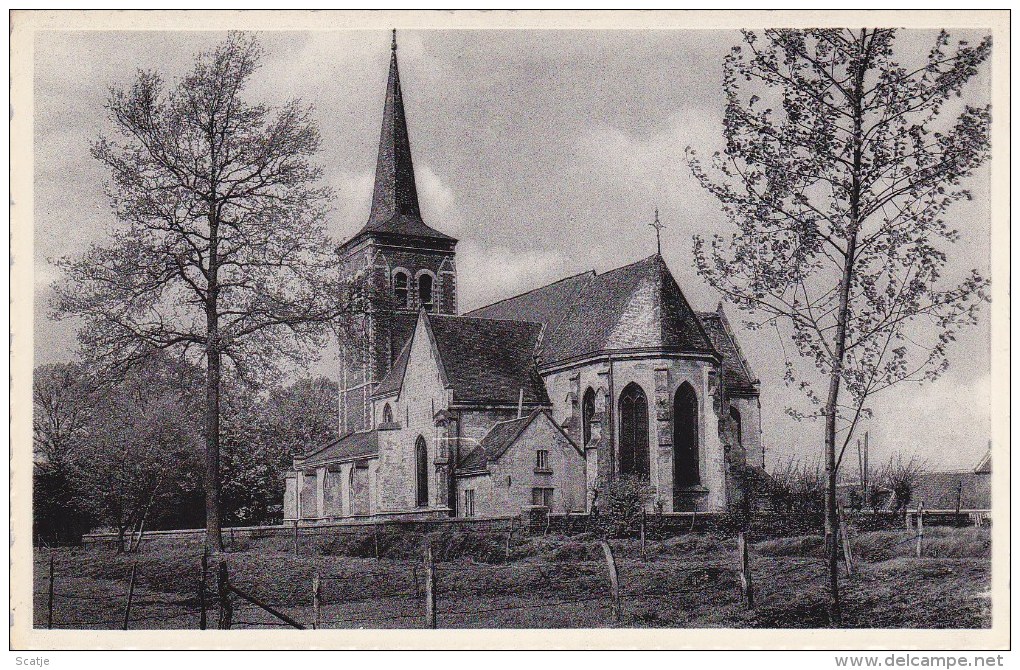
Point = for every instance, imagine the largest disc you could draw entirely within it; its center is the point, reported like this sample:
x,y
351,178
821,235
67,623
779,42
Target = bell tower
x,y
397,262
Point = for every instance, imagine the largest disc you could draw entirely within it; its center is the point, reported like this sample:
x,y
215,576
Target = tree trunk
x,y
831,520
213,536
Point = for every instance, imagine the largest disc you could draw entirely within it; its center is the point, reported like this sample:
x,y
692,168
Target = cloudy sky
x,y
543,152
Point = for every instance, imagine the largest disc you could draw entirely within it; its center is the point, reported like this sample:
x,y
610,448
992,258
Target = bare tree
x,y
220,251
839,168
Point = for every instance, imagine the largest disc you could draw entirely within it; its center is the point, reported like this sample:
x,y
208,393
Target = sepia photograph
x,y
348,323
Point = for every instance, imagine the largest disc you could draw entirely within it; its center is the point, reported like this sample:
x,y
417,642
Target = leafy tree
x,y
61,395
142,452
61,410
220,251
261,436
902,477
839,168
303,416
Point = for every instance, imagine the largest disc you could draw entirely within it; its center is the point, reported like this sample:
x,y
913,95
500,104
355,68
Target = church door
x,y
634,432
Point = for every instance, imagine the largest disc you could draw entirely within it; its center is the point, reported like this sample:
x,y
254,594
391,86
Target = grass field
x,y
552,582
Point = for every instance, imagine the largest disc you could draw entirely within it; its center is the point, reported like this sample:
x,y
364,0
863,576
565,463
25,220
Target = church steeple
x,y
395,206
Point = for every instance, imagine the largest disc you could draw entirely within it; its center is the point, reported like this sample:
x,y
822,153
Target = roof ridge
x,y
629,265
537,288
481,318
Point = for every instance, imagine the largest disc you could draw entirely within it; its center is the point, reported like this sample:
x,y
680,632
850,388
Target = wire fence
x,y
592,584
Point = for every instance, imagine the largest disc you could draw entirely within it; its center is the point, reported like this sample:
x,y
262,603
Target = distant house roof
x,y
939,490
501,437
484,361
984,466
350,447
737,374
638,306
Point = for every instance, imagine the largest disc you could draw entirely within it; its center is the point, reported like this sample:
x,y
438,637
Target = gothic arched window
x,y
387,413
634,431
738,430
400,289
425,292
685,437
587,412
421,473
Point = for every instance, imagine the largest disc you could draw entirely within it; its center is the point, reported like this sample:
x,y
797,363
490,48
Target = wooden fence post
x,y
642,533
614,580
203,620
417,584
295,537
316,601
844,534
130,596
49,606
430,587
920,528
375,539
746,586
223,587
509,537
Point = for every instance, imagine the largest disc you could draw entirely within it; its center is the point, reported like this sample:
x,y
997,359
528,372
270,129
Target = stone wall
x,y
422,396
508,490
659,378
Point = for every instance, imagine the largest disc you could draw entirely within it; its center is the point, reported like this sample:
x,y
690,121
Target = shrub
x,y
618,503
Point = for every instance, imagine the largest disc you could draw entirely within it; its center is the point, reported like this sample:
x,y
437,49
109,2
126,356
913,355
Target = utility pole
x,y
866,475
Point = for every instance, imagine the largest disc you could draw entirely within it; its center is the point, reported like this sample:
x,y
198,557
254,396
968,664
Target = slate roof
x,y
638,306
546,305
737,374
494,444
349,447
939,490
485,361
500,438
395,210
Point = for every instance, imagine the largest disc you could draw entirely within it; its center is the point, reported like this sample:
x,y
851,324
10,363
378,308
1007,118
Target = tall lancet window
x,y
738,430
400,289
421,472
686,470
425,292
587,412
634,432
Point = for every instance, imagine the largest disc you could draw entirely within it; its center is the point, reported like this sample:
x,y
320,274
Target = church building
x,y
535,401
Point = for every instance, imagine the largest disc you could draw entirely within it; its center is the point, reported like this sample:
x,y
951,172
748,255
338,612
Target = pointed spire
x,y
395,209
395,194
